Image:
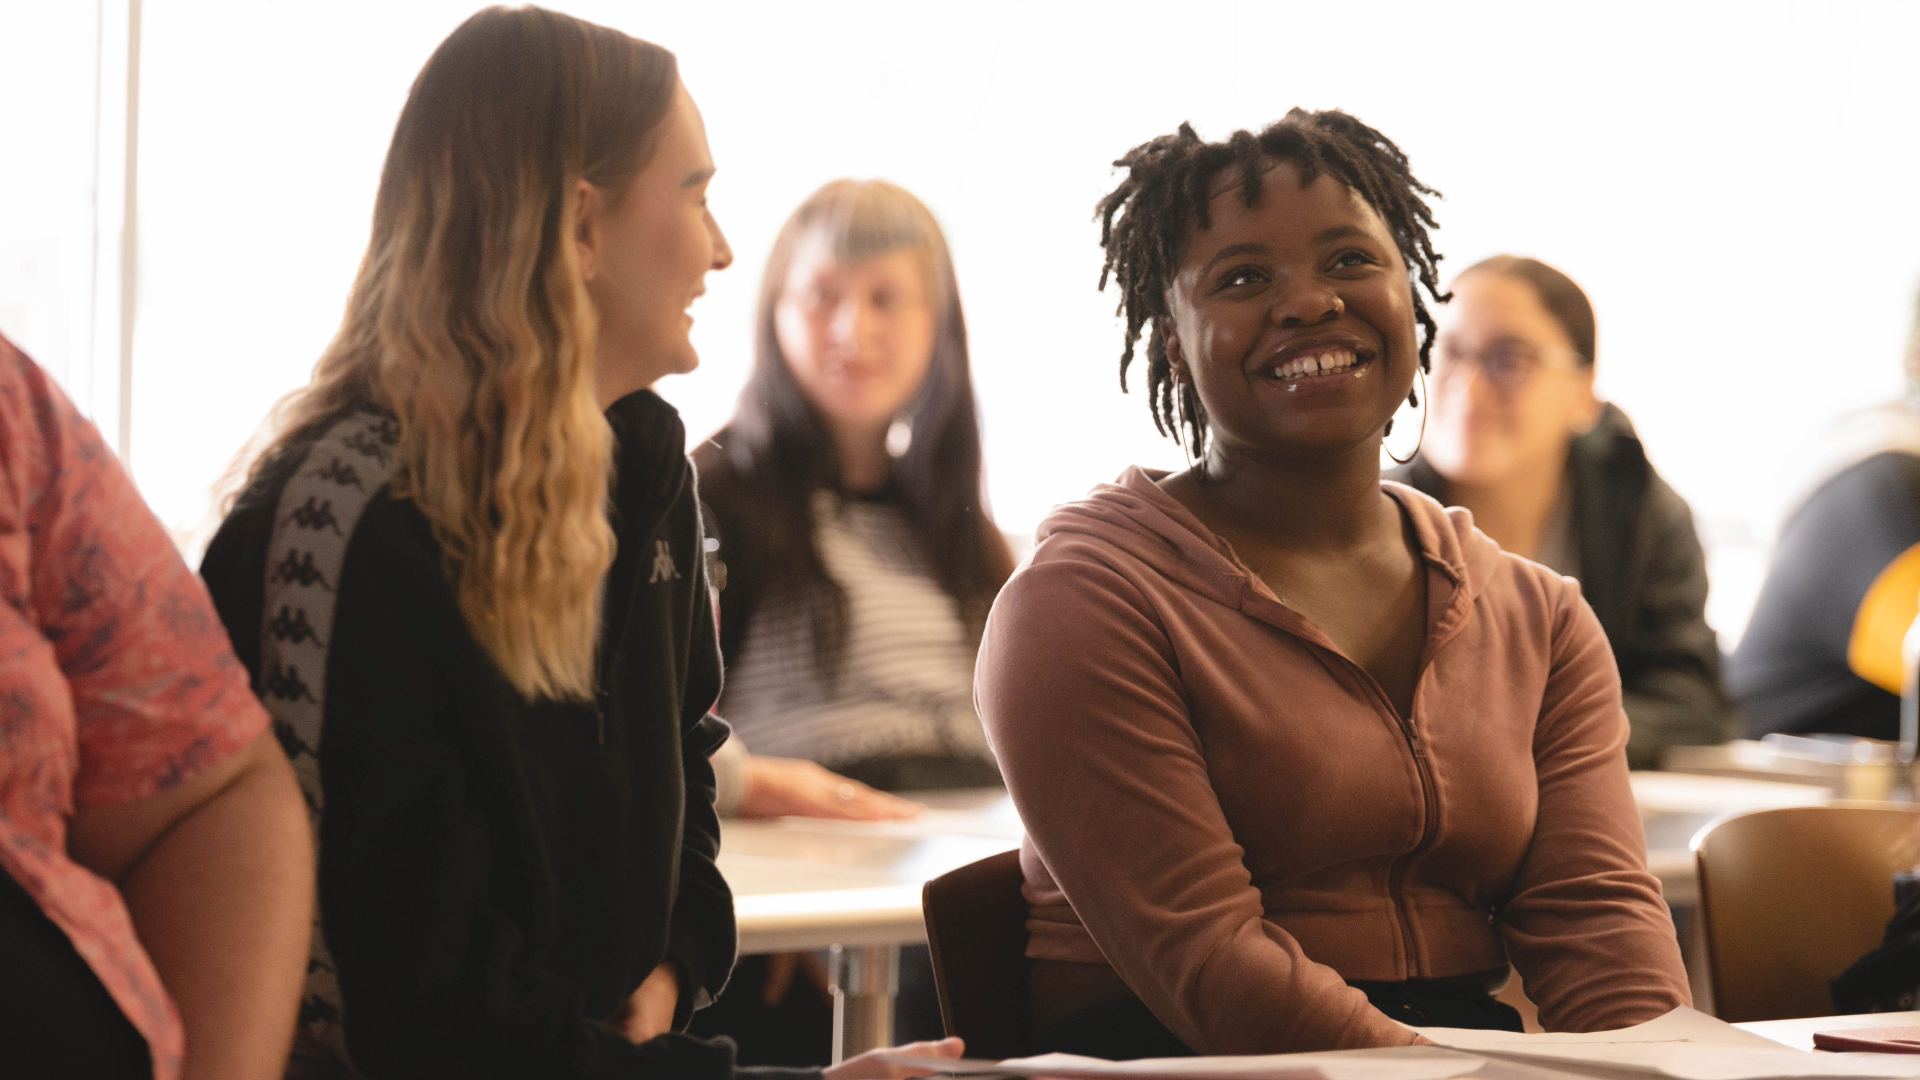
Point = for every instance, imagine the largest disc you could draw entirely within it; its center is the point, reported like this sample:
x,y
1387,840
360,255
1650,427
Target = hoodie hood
x,y
1134,516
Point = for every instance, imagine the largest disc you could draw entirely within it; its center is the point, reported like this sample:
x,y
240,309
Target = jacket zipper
x,y
1430,801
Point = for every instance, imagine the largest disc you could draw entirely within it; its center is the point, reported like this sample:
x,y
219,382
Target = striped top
x,y
905,685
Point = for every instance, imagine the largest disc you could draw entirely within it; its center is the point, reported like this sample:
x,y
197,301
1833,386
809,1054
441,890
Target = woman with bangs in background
x,y
860,559
467,576
1555,475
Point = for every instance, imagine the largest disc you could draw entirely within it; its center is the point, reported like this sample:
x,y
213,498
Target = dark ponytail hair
x,y
759,475
1564,300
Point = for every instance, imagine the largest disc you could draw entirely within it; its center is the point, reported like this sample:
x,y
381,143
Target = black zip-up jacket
x,y
497,877
1644,574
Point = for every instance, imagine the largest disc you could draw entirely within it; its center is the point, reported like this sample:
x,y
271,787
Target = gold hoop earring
x,y
1419,441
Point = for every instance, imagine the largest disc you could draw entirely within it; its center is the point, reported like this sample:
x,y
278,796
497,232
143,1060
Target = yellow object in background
x,y
1880,626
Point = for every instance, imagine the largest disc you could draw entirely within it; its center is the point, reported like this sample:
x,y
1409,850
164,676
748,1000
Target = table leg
x,y
865,979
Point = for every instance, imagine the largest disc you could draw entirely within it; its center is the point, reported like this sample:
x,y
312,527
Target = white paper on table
x,y
1683,1044
1390,1063
1680,1025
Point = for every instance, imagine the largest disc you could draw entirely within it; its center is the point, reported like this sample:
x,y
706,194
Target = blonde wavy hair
x,y
470,322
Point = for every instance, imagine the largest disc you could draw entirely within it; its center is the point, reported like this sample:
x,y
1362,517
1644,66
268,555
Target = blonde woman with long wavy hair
x,y
468,577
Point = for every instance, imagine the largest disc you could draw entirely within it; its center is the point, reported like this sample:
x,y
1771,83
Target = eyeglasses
x,y
1505,364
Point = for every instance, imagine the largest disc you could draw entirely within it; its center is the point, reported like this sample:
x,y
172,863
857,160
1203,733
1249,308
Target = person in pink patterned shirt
x,y
156,899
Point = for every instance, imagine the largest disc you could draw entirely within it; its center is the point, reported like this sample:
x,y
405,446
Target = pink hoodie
x,y
1228,810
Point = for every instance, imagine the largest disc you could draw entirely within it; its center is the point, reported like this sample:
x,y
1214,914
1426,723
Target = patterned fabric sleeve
x,y
158,696
116,678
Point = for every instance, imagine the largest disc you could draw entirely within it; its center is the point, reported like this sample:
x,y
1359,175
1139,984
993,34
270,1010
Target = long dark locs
x,y
1145,223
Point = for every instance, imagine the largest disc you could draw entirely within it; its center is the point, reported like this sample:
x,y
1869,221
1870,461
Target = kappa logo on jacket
x,y
663,568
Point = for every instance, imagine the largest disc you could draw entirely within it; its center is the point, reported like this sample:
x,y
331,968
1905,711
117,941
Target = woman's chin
x,y
858,411
680,359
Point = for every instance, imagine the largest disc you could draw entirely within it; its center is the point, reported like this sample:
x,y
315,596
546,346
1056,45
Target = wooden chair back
x,y
977,932
1792,897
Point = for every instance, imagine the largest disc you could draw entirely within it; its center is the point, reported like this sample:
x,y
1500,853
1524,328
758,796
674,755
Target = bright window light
x,y
1729,182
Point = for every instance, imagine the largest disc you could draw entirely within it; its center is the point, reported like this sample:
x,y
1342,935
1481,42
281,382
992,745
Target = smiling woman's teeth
x,y
1334,360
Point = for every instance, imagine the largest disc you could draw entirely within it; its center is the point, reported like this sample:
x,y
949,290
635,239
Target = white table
x,y
1799,1033
854,888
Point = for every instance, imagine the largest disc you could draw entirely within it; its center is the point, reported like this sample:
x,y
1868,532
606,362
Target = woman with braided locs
x,y
1299,752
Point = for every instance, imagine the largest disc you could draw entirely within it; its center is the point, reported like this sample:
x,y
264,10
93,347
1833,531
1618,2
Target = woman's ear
x,y
1588,406
588,229
1176,355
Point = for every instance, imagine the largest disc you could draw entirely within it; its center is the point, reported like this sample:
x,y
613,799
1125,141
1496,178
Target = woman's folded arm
x,y
1585,923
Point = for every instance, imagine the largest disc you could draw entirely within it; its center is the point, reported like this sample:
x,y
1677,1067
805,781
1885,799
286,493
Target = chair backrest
x,y
977,932
1792,897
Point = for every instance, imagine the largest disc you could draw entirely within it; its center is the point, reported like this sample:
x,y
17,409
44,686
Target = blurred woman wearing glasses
x,y
1551,473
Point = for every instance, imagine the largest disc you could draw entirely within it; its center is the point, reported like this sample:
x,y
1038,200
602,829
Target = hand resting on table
x,y
780,787
868,1066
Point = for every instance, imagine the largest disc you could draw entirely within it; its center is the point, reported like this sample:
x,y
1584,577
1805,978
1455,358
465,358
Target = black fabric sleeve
x,y
702,939
438,980
235,570
1670,666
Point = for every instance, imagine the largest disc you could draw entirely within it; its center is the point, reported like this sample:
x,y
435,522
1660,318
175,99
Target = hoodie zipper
x,y
1430,802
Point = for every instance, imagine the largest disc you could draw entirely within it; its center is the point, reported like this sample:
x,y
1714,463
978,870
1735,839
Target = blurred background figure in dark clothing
x,y
1516,436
